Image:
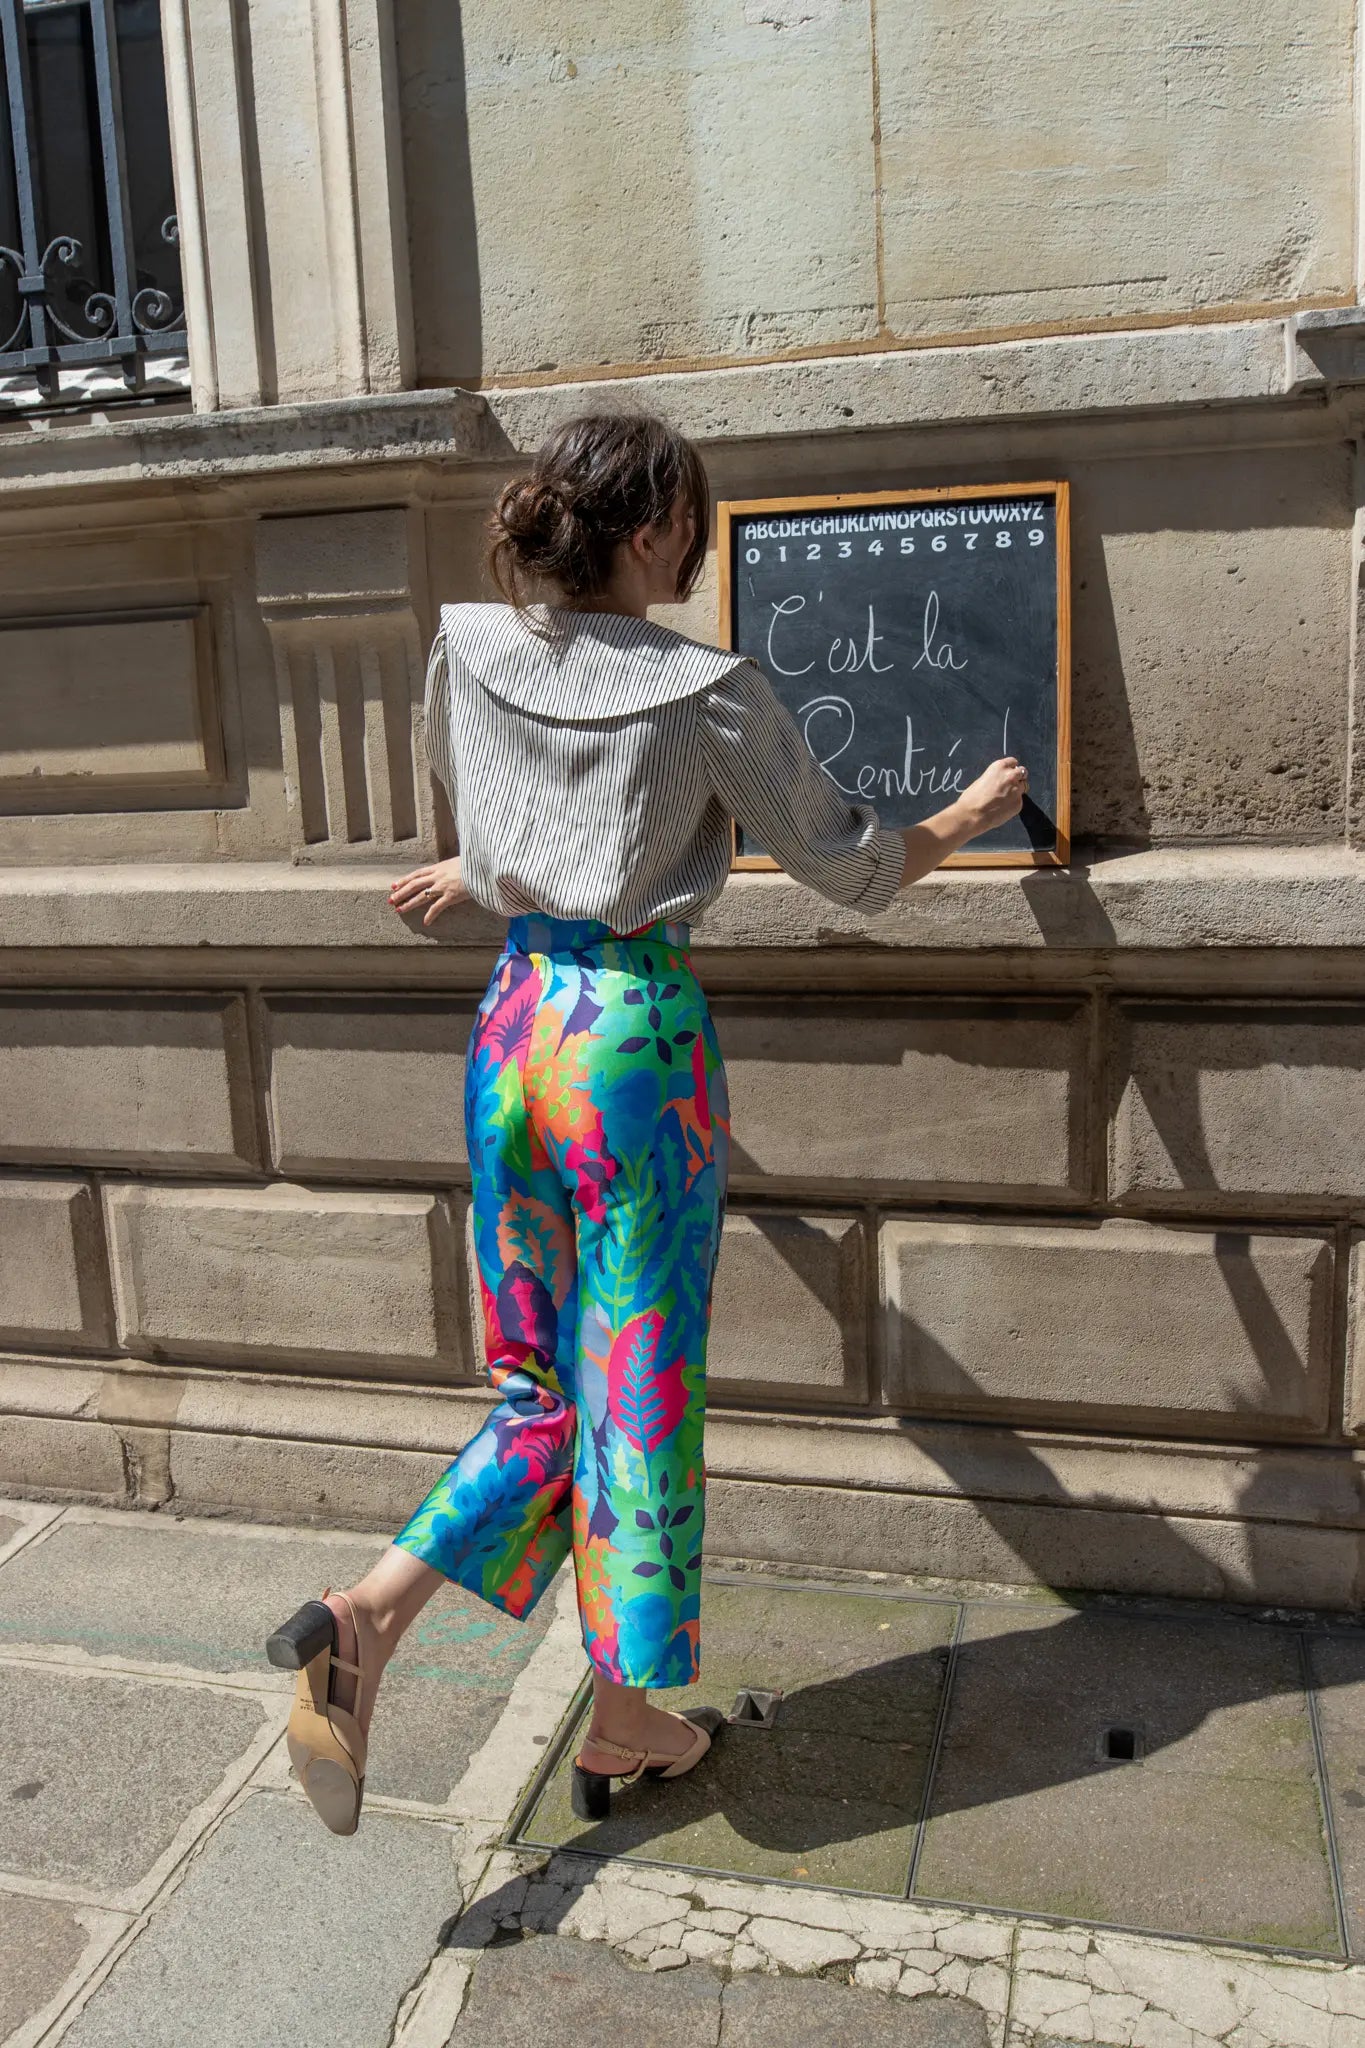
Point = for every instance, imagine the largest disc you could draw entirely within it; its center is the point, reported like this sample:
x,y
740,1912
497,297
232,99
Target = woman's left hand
x,y
439,886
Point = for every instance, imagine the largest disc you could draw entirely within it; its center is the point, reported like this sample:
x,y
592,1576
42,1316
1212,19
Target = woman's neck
x,y
627,591
622,604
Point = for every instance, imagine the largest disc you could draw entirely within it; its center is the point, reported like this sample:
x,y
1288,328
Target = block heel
x,y
325,1742
307,1633
591,1793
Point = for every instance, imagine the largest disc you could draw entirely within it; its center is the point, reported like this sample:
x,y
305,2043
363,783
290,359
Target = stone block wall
x,y
1044,1255
1252,1104
53,1271
127,1079
788,177
928,1097
138,713
1089,1212
1145,1325
366,1086
237,687
377,197
308,1278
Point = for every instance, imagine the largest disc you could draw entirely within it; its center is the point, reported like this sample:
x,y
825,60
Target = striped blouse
x,y
594,763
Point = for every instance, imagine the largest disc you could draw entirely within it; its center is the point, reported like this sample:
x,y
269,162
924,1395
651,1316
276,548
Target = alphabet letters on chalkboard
x,y
915,637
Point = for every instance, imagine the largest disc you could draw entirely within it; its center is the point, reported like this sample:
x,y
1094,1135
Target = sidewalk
x,y
162,1882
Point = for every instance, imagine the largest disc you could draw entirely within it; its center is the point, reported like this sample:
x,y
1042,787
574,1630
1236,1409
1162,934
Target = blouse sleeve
x,y
436,717
766,776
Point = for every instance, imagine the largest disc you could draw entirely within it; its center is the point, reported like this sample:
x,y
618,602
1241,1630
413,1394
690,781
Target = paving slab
x,y
1072,1985
832,1793
97,1772
155,1591
159,1592
596,2001
1216,1830
281,1933
779,2012
41,1942
1338,1666
442,1694
20,1521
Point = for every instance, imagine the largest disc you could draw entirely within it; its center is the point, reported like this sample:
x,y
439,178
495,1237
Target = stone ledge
x,y
1155,1552
1327,347
1305,1486
1168,900
380,431
1061,376
1024,1543
1048,376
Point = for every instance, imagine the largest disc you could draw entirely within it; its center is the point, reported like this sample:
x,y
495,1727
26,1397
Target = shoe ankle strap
x,y
601,1742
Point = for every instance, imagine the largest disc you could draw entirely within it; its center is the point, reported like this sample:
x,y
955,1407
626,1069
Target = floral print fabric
x,y
598,1129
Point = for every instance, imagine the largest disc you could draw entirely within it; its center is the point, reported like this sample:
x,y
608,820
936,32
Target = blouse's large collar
x,y
576,665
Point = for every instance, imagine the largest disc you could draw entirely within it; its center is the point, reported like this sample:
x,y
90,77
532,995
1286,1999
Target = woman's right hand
x,y
993,799
996,796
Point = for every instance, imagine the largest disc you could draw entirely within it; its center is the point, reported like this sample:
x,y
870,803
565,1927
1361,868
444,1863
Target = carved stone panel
x,y
103,710
340,595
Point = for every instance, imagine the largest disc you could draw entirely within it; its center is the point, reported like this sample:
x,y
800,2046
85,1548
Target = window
x,y
90,287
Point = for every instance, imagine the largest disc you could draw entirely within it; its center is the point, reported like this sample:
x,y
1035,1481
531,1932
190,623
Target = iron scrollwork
x,y
119,316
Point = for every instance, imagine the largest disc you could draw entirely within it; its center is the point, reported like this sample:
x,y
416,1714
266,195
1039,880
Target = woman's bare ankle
x,y
636,1726
633,1732
381,1627
358,1642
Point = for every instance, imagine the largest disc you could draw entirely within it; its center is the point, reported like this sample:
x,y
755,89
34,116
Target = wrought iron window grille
x,y
90,267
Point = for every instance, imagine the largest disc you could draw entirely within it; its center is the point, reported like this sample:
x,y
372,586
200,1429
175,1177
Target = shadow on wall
x,y
1163,1090
852,1111
1029,1522
1109,797
447,298
1210,630
1170,1560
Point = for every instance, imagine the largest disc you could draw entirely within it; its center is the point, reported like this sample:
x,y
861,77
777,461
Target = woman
x,y
594,763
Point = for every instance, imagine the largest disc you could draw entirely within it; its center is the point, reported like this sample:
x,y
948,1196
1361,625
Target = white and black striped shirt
x,y
594,763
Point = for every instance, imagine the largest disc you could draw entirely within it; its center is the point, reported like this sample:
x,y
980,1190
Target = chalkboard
x,y
915,636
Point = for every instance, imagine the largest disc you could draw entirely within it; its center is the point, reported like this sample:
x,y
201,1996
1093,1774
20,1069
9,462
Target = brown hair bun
x,y
596,481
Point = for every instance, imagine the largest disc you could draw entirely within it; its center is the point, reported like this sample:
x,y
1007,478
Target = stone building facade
x,y
1047,1249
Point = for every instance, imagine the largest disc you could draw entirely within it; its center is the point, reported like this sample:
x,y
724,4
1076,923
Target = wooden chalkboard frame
x,y
1060,491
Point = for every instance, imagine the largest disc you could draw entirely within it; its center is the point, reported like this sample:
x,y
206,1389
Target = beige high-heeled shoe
x,y
591,1792
326,1744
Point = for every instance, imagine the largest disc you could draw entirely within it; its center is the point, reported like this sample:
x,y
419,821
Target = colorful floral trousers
x,y
598,1127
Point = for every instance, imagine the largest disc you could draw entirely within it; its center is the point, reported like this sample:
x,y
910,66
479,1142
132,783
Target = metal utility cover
x,y
832,1792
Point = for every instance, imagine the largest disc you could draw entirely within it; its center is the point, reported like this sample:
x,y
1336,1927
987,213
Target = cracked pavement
x,y
162,1880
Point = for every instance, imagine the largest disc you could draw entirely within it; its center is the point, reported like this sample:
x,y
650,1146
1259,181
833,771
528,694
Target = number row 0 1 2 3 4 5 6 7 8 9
x,y
908,544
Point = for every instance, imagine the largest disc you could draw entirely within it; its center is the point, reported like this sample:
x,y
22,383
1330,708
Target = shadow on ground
x,y
976,1763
